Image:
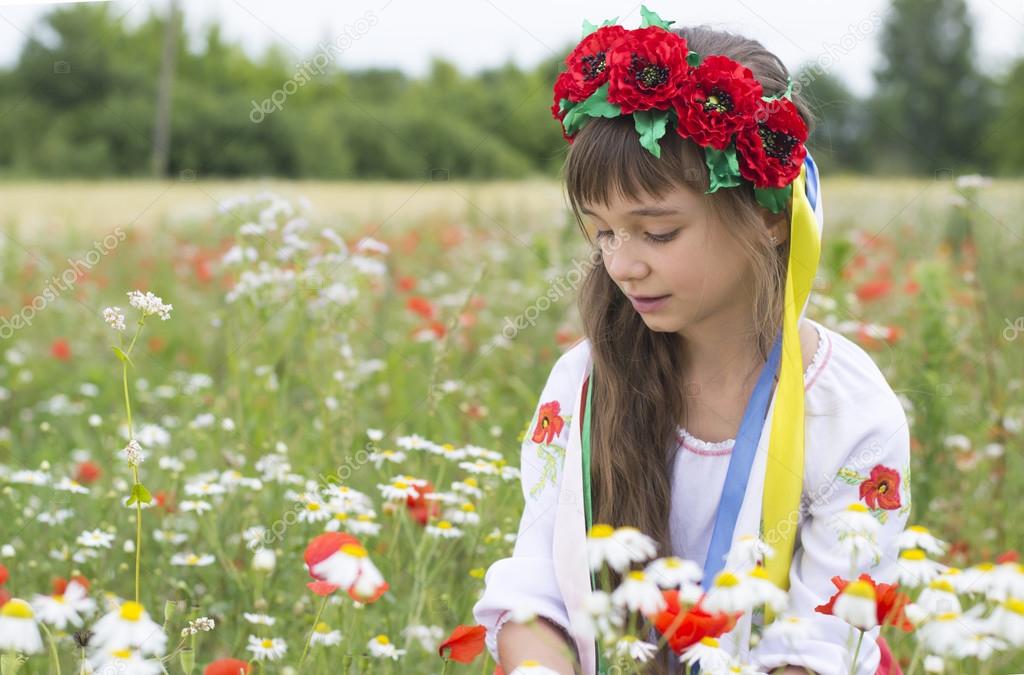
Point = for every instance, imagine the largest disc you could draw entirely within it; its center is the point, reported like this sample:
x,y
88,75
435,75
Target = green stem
x,y
53,646
138,531
856,652
309,638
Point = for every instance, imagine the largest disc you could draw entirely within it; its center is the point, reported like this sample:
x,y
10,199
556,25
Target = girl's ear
x,y
777,224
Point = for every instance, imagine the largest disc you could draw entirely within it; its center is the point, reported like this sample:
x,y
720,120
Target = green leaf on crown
x,y
774,199
723,167
596,105
589,28
652,19
650,124
693,59
564,105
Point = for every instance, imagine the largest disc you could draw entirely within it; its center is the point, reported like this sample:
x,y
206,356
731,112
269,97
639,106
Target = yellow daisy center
x,y
860,589
444,525
857,507
121,654
920,529
266,644
468,508
941,585
636,575
313,506
400,485
529,663
947,616
759,573
16,608
1014,605
912,554
354,550
322,627
341,516
382,640
131,611
471,482
727,580
709,642
601,531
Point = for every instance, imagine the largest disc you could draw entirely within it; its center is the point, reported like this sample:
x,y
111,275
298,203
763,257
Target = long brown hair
x,y
636,410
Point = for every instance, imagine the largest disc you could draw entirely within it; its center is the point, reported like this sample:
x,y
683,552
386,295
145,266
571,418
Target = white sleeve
x,y
526,580
875,471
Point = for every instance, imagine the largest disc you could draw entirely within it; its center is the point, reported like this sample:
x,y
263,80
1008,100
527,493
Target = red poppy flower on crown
x,y
651,74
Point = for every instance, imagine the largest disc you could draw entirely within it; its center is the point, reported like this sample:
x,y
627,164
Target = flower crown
x,y
713,100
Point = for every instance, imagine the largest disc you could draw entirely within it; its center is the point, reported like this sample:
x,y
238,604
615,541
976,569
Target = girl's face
x,y
675,249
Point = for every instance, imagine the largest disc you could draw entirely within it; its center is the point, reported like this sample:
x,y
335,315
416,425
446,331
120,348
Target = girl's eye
x,y
601,234
662,238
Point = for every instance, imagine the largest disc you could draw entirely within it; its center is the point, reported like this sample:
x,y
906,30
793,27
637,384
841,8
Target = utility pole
x,y
162,123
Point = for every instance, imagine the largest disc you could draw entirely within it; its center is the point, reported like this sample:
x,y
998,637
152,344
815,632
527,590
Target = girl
x,y
687,164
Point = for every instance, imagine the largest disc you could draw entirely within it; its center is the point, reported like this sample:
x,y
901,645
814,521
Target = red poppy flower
x,y
771,151
87,472
421,508
464,643
881,490
421,306
646,69
4,597
563,90
692,626
717,101
873,290
61,349
227,667
588,63
4,575
60,584
321,588
549,423
889,602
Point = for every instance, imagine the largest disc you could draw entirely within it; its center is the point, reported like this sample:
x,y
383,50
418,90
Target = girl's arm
x,y
526,580
864,460
541,641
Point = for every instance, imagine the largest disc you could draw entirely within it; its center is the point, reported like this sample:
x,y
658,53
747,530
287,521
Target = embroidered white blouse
x,y
856,436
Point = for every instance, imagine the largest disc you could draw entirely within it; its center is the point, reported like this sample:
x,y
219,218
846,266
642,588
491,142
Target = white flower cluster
x,y
149,304
201,625
114,318
133,453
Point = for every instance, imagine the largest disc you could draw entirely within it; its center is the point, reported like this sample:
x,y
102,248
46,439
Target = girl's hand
x,y
792,670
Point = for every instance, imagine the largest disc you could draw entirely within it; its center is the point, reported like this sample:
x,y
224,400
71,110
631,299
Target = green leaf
x,y
596,105
589,28
139,494
850,477
121,355
649,18
774,199
723,167
650,124
693,58
565,105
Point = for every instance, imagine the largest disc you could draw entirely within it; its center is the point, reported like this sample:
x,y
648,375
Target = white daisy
x,y
712,658
728,593
381,648
68,485
429,637
480,467
939,597
198,505
856,519
856,605
465,514
1007,581
531,667
123,661
618,547
1007,621
18,629
946,634
444,530
599,616
638,593
323,635
350,568
934,664
259,619
789,629
61,610
635,648
398,491
128,626
913,568
917,536
95,539
672,572
748,552
192,559
266,649
393,456
765,592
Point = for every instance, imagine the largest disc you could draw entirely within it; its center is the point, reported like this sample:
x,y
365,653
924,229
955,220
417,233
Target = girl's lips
x,y
651,304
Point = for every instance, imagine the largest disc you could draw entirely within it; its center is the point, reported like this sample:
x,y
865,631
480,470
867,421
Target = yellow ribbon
x,y
783,483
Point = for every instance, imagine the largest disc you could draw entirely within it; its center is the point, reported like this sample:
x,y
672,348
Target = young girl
x,y
690,171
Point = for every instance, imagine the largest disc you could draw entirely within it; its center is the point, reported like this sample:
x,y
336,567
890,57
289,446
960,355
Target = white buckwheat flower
x,y
149,304
133,453
114,318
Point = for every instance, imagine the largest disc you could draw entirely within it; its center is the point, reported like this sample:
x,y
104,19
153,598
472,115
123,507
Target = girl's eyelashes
x,y
653,238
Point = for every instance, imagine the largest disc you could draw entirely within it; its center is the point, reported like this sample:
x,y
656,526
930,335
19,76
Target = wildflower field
x,y
273,437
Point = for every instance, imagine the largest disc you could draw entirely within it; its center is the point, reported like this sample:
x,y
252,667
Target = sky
x,y
841,37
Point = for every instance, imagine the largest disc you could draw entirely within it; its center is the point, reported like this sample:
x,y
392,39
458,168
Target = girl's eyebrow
x,y
652,211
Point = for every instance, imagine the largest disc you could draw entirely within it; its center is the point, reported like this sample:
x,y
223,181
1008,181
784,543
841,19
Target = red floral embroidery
x,y
549,423
881,490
